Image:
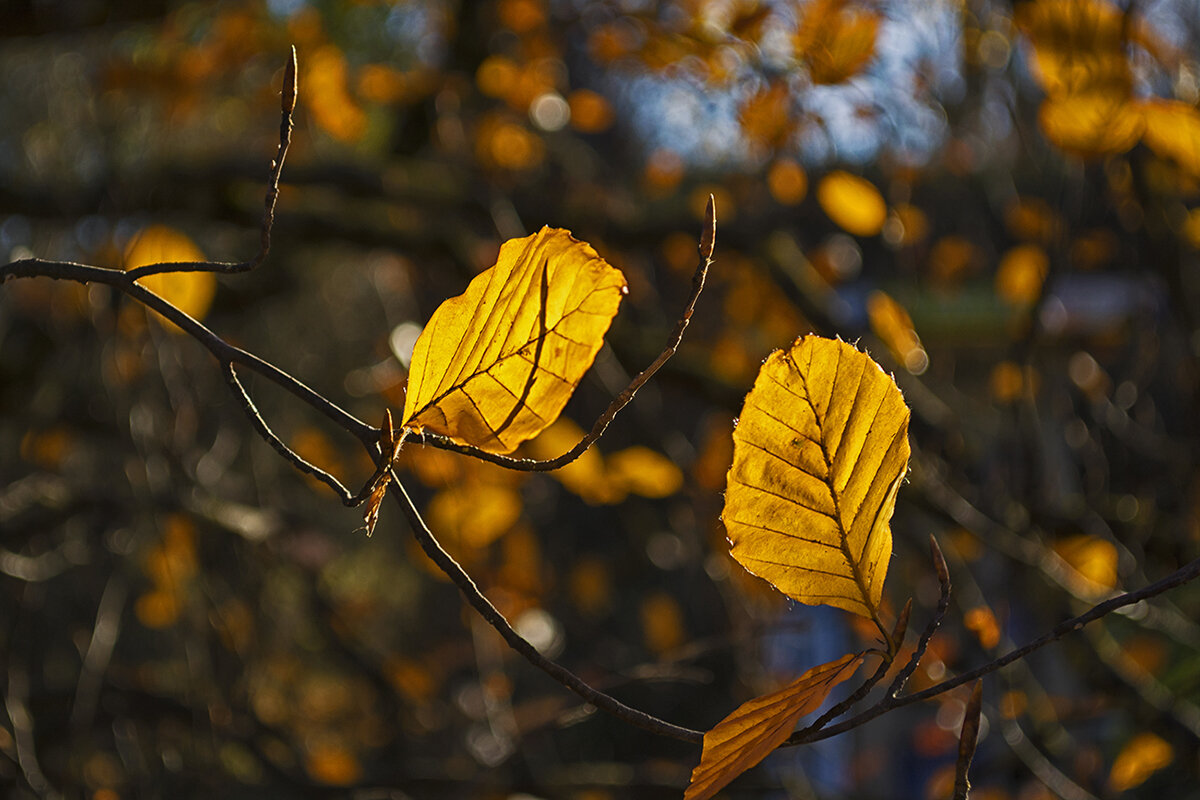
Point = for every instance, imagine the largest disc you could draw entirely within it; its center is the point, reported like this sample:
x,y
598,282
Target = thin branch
x,y
968,738
287,105
707,243
943,573
221,350
492,615
1184,574
264,430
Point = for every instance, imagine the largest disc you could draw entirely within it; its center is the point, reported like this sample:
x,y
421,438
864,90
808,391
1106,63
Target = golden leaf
x,y
750,733
835,41
1077,44
190,292
819,454
1173,131
1021,273
892,324
1094,559
496,364
1091,124
644,472
852,202
766,117
1144,755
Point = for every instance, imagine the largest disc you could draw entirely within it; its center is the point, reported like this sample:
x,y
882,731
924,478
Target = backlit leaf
x,y
852,202
750,733
190,292
820,451
1173,131
496,364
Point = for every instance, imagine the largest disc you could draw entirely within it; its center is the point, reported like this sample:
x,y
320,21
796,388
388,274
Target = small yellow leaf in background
x,y
766,118
1021,273
644,472
332,764
475,515
1141,757
819,453
662,623
852,202
477,375
835,40
982,621
787,181
750,733
1006,382
1173,131
892,324
587,475
1077,44
190,292
1091,124
1093,558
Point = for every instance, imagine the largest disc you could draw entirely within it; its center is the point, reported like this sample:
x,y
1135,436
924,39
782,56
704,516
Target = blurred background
x,y
1000,202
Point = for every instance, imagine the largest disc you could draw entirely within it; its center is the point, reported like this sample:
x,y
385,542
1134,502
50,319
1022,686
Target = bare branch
x,y
943,573
1185,574
492,615
287,107
967,740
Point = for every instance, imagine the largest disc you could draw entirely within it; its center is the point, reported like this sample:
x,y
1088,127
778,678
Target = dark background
x,y
183,614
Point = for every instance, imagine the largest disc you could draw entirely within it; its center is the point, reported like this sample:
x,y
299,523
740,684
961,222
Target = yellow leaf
x,y
787,182
750,733
1094,559
587,475
852,202
1077,44
835,41
1091,124
190,292
892,324
474,516
766,117
1141,757
645,472
496,364
1173,131
662,623
1021,273
819,454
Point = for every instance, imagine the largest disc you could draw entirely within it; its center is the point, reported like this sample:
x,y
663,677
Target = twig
x,y
943,573
492,615
287,106
967,740
264,430
1184,574
707,243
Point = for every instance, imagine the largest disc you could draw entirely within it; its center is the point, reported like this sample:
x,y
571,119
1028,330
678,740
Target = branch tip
x,y
290,85
939,564
967,741
708,237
